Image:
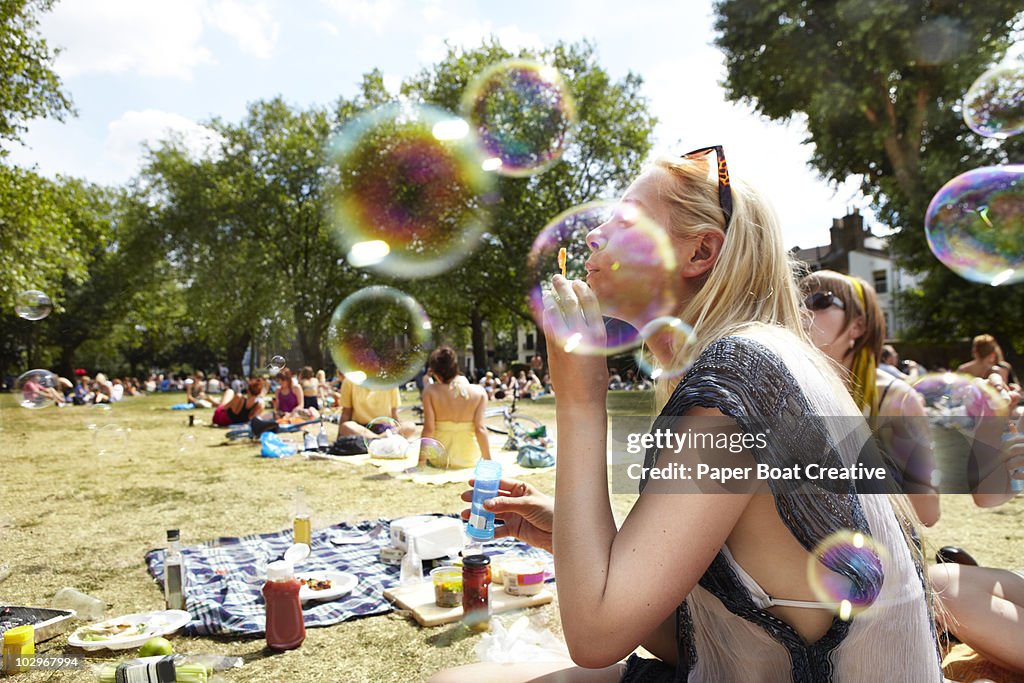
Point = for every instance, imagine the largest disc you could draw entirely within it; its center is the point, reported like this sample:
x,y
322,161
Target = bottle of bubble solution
x,y
174,574
303,529
487,475
286,628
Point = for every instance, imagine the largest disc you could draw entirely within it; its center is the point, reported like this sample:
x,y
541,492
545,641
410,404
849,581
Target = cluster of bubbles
x,y
637,285
415,190
33,305
975,222
846,571
379,337
959,399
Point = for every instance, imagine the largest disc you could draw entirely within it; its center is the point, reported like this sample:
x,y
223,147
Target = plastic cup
x,y
447,586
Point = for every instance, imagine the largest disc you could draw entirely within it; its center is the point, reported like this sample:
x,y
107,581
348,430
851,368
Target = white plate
x,y
148,625
341,584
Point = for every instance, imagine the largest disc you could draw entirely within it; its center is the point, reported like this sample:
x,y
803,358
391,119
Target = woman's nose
x,y
596,239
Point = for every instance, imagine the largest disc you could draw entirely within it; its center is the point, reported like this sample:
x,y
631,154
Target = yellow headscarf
x,y
865,390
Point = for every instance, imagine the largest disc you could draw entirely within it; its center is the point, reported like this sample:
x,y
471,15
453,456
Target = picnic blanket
x,y
223,578
510,469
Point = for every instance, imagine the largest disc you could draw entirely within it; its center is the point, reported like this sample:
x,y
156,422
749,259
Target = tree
x,y
879,84
607,146
29,88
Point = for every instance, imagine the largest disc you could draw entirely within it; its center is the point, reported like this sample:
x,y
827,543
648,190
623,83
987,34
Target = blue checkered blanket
x,y
223,578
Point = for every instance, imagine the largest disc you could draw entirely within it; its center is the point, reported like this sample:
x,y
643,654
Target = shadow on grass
x,y
450,636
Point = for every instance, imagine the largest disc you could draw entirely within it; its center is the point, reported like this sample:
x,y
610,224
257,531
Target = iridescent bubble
x,y
523,112
632,272
33,305
413,198
96,413
670,333
38,389
379,337
110,439
432,449
953,395
277,364
846,571
939,40
994,104
381,425
975,225
186,442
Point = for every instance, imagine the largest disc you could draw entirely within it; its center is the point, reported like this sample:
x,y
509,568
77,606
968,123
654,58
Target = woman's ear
x,y
701,253
857,327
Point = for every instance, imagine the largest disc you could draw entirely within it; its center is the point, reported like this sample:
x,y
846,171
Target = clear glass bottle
x,y
301,524
174,572
322,442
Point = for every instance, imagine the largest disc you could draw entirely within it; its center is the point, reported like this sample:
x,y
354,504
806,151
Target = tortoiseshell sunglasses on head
x,y
724,187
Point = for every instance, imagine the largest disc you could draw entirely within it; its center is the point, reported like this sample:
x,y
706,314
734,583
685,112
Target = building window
x,y
529,342
881,281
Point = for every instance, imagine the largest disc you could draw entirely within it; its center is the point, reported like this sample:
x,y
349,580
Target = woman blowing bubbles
x,y
713,584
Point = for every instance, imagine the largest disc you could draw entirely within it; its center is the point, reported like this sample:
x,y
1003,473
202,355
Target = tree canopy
x,y
880,85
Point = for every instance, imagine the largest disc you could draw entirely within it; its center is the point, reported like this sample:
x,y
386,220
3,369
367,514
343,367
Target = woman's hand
x,y
576,334
528,514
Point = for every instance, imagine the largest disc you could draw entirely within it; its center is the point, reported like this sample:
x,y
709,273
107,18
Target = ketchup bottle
x,y
286,628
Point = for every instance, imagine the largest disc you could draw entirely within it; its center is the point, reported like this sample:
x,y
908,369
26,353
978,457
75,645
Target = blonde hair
x,y
725,304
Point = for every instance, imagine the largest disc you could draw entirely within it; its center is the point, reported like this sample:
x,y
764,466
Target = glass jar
x,y
476,582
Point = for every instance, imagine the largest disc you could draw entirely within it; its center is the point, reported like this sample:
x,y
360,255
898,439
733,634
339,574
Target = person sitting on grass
x,y
987,357
195,390
240,408
453,414
360,406
288,400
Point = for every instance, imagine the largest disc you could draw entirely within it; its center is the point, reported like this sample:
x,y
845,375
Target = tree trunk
x,y
476,320
310,346
236,352
66,364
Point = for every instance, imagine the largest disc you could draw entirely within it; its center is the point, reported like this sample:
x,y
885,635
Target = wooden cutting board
x,y
419,599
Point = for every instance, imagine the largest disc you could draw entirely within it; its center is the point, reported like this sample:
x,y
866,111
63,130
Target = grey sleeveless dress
x,y
723,634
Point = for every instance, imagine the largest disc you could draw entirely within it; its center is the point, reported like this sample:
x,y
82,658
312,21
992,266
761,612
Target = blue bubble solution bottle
x,y
486,478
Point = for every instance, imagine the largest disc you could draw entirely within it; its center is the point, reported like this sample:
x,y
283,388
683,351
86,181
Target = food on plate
x,y
314,584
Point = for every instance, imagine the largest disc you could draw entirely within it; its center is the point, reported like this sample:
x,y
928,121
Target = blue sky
x,y
138,68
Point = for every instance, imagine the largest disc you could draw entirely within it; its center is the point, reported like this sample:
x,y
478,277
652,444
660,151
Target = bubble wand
x,y
561,260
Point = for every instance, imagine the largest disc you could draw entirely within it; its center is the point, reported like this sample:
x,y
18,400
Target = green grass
x,y
72,517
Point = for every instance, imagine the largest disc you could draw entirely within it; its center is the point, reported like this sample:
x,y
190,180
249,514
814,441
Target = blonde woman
x,y
453,414
714,585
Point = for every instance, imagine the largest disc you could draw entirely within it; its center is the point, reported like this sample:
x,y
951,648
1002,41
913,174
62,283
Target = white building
x,y
854,250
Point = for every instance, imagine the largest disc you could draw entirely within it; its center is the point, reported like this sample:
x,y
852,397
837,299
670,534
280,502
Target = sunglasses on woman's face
x,y
820,301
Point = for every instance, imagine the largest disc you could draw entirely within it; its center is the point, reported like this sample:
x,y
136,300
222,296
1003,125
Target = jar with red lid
x,y
476,582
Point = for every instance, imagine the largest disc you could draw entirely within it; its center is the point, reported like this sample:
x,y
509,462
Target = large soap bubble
x,y
38,389
33,305
994,104
635,285
380,337
523,112
975,225
413,197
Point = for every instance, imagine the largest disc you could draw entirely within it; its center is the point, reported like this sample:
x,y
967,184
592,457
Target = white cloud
x,y
152,38
328,27
133,129
471,34
375,14
251,24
